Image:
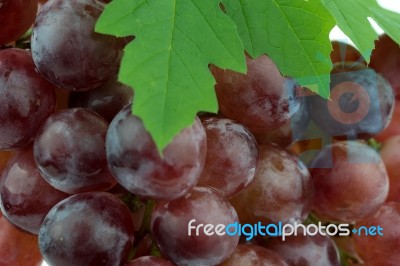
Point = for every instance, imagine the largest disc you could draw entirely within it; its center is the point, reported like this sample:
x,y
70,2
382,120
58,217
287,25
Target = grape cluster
x,y
83,183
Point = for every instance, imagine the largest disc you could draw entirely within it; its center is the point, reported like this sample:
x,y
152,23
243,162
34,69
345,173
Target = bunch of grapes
x,y
83,183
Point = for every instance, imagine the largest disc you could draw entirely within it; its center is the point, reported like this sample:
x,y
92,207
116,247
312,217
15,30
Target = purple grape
x,y
262,100
107,100
26,99
70,151
67,51
350,181
25,196
137,165
281,191
170,228
92,228
232,156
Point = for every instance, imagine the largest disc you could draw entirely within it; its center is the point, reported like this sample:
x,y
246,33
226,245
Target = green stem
x,y
144,227
373,143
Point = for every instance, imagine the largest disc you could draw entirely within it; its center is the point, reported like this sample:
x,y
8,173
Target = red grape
x,y
70,151
137,165
307,250
17,247
385,59
170,228
390,154
263,100
280,192
67,51
25,196
92,228
26,99
232,156
107,100
379,250
249,254
16,17
350,181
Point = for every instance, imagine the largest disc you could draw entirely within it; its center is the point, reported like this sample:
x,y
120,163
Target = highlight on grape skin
x,y
92,228
137,165
204,205
70,153
26,99
67,51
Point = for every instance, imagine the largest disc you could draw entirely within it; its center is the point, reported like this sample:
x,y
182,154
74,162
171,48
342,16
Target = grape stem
x,y
373,143
144,229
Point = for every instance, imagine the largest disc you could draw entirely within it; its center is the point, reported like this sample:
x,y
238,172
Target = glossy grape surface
x,y
26,99
232,156
93,228
262,100
137,165
16,17
169,225
350,181
25,196
67,51
281,191
70,151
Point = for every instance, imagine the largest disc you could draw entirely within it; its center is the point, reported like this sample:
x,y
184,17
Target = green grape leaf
x,y
389,21
354,24
167,62
352,19
294,33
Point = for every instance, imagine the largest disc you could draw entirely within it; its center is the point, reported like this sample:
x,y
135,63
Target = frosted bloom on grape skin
x,y
281,191
26,99
232,156
67,51
136,164
92,228
70,151
350,180
170,225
